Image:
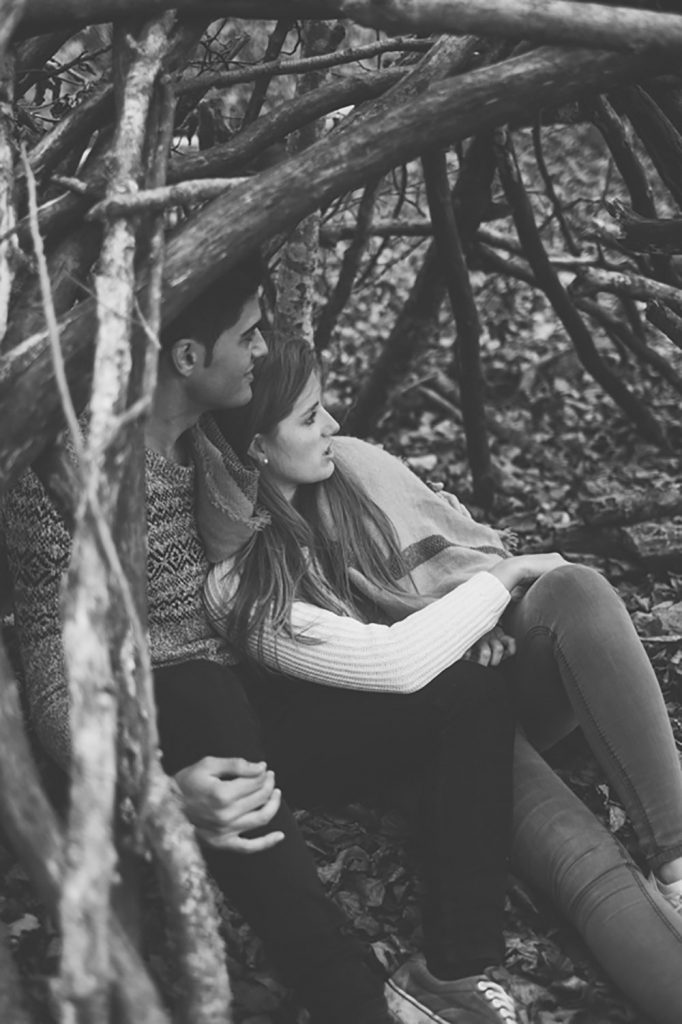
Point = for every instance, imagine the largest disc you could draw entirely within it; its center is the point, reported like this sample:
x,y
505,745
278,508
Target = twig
x,y
155,200
51,317
349,267
271,56
223,79
550,190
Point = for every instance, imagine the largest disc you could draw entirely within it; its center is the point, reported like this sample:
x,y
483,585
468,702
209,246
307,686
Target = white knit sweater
x,y
399,658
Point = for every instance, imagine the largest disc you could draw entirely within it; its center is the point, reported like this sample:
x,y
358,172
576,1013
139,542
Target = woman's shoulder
x,y
356,454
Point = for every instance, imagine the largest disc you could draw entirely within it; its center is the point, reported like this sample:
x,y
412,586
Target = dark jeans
x,y
328,746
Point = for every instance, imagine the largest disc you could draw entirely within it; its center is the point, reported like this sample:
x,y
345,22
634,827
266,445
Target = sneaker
x,y
672,893
417,997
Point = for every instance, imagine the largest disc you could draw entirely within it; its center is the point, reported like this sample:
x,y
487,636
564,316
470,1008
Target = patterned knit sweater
x,y
38,548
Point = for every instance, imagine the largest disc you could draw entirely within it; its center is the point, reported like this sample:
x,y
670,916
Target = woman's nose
x,y
332,426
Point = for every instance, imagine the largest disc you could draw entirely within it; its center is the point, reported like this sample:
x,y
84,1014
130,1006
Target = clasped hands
x,y
225,797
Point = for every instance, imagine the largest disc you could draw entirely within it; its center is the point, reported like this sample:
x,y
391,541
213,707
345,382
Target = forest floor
x,y
556,441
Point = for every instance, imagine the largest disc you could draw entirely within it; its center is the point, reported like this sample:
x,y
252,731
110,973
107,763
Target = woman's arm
x,y
399,658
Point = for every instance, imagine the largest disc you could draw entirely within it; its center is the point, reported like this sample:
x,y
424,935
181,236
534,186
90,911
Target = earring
x,y
265,460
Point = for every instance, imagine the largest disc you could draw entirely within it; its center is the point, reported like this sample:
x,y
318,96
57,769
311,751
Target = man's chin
x,y
242,398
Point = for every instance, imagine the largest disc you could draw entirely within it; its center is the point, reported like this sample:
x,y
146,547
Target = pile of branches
x,y
93,172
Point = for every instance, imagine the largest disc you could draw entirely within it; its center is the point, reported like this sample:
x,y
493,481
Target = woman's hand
x,y
517,573
226,796
492,648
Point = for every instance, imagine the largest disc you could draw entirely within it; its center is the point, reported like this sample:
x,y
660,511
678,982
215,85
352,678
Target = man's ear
x,y
185,355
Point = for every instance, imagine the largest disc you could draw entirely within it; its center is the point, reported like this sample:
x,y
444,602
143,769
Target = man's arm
x,y
225,797
38,552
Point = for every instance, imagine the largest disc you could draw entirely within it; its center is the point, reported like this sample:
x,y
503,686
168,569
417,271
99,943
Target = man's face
x,y
225,383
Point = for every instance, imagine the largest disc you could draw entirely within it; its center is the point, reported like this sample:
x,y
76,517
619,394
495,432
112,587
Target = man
x,y
209,735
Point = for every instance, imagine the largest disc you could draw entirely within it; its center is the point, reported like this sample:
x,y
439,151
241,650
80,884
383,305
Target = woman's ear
x,y
257,450
185,356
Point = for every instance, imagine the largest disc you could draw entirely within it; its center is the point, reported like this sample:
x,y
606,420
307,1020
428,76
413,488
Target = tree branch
x,y
287,117
548,280
225,79
556,21
635,286
468,355
229,227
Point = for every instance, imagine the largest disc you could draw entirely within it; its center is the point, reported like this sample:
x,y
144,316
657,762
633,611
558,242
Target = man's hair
x,y
217,307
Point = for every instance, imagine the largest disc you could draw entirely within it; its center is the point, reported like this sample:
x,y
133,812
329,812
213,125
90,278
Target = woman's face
x,y
299,449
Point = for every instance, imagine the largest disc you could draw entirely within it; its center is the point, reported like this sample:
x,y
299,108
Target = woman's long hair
x,y
300,554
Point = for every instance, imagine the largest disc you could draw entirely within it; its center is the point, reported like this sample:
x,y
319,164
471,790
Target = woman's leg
x,y
560,847
579,661
332,745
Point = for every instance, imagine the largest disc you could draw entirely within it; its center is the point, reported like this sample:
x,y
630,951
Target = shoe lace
x,y
500,1000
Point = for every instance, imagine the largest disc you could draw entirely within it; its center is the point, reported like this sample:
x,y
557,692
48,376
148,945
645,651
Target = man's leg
x,y
203,711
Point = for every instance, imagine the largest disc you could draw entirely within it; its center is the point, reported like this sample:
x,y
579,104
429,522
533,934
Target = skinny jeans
x,y
579,662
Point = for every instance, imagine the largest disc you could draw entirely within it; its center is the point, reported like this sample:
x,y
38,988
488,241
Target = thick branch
x,y
548,280
621,333
666,321
632,285
468,358
644,234
661,138
555,21
626,160
287,117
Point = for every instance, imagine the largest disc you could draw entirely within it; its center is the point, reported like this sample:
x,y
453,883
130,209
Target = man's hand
x,y
226,796
492,648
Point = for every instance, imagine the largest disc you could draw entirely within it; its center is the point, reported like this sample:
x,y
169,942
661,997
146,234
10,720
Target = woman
x,y
345,575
